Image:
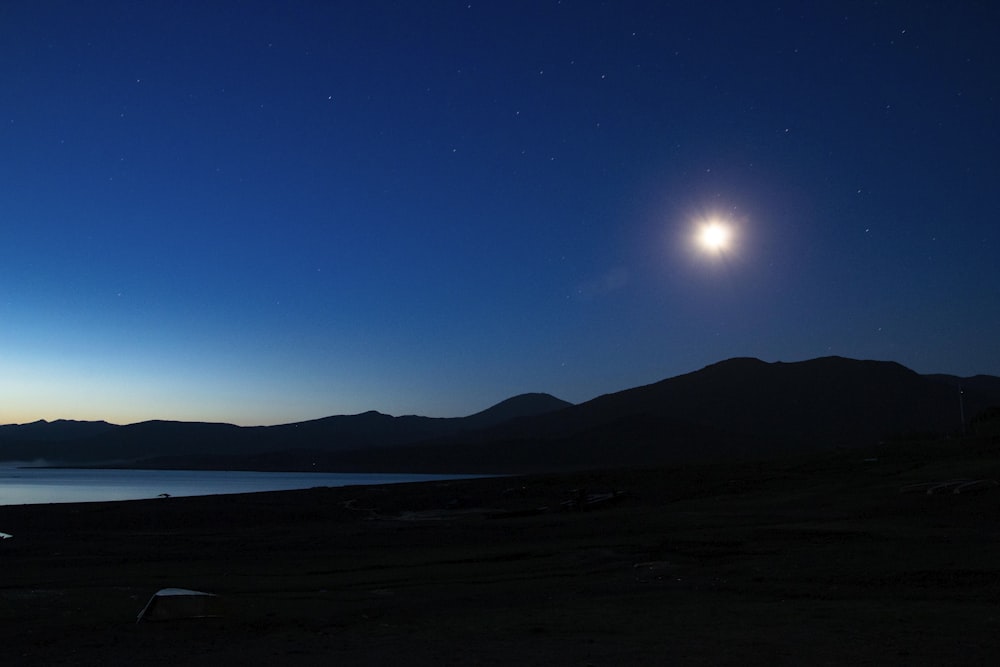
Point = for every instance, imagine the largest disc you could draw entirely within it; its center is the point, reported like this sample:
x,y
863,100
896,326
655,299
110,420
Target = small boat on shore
x,y
586,501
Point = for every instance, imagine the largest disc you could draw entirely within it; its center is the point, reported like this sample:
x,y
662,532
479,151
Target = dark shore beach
x,y
837,559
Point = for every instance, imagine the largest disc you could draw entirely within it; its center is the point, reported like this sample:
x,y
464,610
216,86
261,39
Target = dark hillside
x,y
743,408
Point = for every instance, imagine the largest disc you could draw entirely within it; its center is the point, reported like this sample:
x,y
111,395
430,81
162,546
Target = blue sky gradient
x,y
267,212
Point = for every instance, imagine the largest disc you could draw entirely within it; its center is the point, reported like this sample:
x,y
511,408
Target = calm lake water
x,y
24,486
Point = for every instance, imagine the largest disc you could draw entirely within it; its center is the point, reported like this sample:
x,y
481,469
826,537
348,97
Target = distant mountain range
x,y
740,408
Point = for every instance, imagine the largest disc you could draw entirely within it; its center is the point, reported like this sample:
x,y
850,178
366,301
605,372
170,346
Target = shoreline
x,y
797,562
43,485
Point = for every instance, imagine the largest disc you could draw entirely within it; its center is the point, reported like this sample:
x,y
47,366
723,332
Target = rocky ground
x,y
837,559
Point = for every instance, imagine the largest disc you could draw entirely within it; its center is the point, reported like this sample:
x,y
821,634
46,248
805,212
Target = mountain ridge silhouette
x,y
737,408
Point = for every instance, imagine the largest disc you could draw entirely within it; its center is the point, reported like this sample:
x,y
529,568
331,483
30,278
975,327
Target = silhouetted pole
x,y
961,407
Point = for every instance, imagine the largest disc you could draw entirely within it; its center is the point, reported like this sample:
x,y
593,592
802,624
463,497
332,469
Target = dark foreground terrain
x,y
818,561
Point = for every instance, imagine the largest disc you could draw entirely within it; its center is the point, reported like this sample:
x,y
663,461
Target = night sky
x,y
267,212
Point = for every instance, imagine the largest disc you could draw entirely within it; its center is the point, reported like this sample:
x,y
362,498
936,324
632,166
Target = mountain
x,y
830,401
739,408
62,429
99,442
31,442
525,405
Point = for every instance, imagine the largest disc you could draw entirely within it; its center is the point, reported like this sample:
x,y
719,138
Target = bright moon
x,y
714,237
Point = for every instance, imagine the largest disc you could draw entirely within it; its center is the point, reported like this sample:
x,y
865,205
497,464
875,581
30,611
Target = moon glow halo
x,y
713,237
